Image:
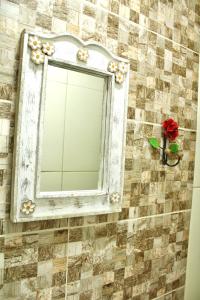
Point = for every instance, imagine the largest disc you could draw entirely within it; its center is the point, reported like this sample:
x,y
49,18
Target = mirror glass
x,y
73,131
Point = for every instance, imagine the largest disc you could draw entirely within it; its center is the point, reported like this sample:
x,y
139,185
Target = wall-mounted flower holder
x,y
170,149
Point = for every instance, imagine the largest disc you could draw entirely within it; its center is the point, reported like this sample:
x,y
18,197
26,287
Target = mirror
x,y
70,129
73,129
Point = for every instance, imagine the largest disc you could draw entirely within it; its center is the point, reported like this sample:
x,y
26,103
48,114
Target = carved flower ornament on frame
x,y
39,49
28,207
119,69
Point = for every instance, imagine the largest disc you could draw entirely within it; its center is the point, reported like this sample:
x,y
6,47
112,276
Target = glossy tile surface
x,y
140,253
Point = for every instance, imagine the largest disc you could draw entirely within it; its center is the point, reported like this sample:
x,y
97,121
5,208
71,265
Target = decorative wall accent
x,y
140,253
39,49
120,69
48,49
37,56
115,197
34,42
172,151
32,99
83,54
28,207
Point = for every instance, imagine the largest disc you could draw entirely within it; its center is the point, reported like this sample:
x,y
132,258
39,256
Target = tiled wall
x,y
192,289
140,253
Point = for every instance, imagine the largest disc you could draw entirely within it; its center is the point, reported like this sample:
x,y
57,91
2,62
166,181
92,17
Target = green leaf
x,y
154,142
174,147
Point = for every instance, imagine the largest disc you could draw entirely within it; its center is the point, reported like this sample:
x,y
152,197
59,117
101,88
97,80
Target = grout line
x,y
156,124
138,25
158,215
92,224
160,297
67,263
6,100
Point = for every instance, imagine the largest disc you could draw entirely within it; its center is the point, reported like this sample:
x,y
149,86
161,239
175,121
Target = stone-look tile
x,y
9,227
1,177
68,11
176,20
145,258
109,256
149,187
84,221
43,21
176,295
163,79
34,265
6,92
94,24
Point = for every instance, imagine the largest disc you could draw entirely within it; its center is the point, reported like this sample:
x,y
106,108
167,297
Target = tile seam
x,y
67,263
157,124
93,224
138,25
6,100
179,288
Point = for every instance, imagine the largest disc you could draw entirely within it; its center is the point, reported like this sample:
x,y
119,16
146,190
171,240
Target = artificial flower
x,y
170,129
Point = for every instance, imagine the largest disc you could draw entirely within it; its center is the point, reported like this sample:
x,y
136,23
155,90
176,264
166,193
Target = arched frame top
x,y
37,51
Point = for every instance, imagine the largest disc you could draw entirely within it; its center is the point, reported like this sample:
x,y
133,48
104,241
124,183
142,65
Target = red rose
x,y
170,129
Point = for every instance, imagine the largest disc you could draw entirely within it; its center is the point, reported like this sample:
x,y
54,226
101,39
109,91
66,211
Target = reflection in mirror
x,y
73,130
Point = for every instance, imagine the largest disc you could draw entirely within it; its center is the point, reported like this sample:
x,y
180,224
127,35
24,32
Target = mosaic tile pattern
x,y
163,79
135,259
34,265
176,20
176,295
140,253
149,187
128,259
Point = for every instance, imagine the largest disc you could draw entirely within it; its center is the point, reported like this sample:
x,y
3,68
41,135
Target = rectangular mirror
x,y
73,130
70,129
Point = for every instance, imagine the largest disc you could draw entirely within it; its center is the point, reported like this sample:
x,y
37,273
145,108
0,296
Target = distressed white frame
x,y
26,164
104,163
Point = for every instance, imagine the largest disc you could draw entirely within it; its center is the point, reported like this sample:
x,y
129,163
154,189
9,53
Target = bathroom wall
x,y
140,253
192,290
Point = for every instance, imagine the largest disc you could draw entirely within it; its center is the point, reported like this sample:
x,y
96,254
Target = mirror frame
x,y
28,204
104,143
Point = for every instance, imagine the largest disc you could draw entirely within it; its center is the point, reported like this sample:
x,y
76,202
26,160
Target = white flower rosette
x,y
37,56
83,54
123,68
48,49
28,207
34,43
113,66
119,77
115,197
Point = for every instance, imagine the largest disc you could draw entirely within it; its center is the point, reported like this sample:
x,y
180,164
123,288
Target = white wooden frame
x,y
31,89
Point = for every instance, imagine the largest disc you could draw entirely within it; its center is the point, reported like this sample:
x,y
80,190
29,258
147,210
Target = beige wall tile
x,y
127,255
